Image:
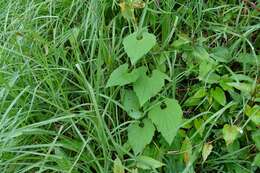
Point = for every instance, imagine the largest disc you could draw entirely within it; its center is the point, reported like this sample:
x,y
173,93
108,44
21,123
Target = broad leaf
x,y
139,137
200,53
136,47
219,95
118,167
131,104
145,162
230,133
146,87
168,119
121,76
207,148
221,54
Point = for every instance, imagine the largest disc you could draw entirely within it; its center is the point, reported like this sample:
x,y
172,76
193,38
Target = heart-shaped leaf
x,y
230,133
136,47
139,137
121,76
146,87
131,104
168,119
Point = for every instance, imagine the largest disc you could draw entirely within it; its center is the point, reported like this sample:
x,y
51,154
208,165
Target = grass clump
x,y
129,86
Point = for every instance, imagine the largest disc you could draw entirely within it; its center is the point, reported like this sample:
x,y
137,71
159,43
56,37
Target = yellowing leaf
x,y
230,133
207,148
118,167
139,137
136,47
168,119
186,148
146,87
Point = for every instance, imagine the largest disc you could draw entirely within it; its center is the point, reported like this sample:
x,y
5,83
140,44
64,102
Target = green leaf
x,y
131,104
257,160
168,119
219,95
145,162
200,53
118,167
196,98
247,58
139,137
253,113
256,138
230,133
146,87
207,148
221,54
121,76
136,47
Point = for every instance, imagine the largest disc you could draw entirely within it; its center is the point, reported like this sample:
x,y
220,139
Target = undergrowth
x,y
129,86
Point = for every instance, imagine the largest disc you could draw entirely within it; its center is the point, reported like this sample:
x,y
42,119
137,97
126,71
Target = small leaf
x,y
127,10
207,148
230,133
136,47
196,98
145,162
146,87
219,95
118,167
257,160
139,137
168,119
186,149
253,113
121,76
131,104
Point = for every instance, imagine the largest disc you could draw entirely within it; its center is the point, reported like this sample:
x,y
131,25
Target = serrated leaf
x,y
207,148
131,104
139,137
145,162
146,87
136,47
168,119
219,95
121,76
230,133
118,167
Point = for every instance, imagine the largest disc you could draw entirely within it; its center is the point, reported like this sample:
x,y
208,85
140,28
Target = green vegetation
x,y
129,86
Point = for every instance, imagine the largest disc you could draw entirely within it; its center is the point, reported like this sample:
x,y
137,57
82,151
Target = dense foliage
x,y
129,86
